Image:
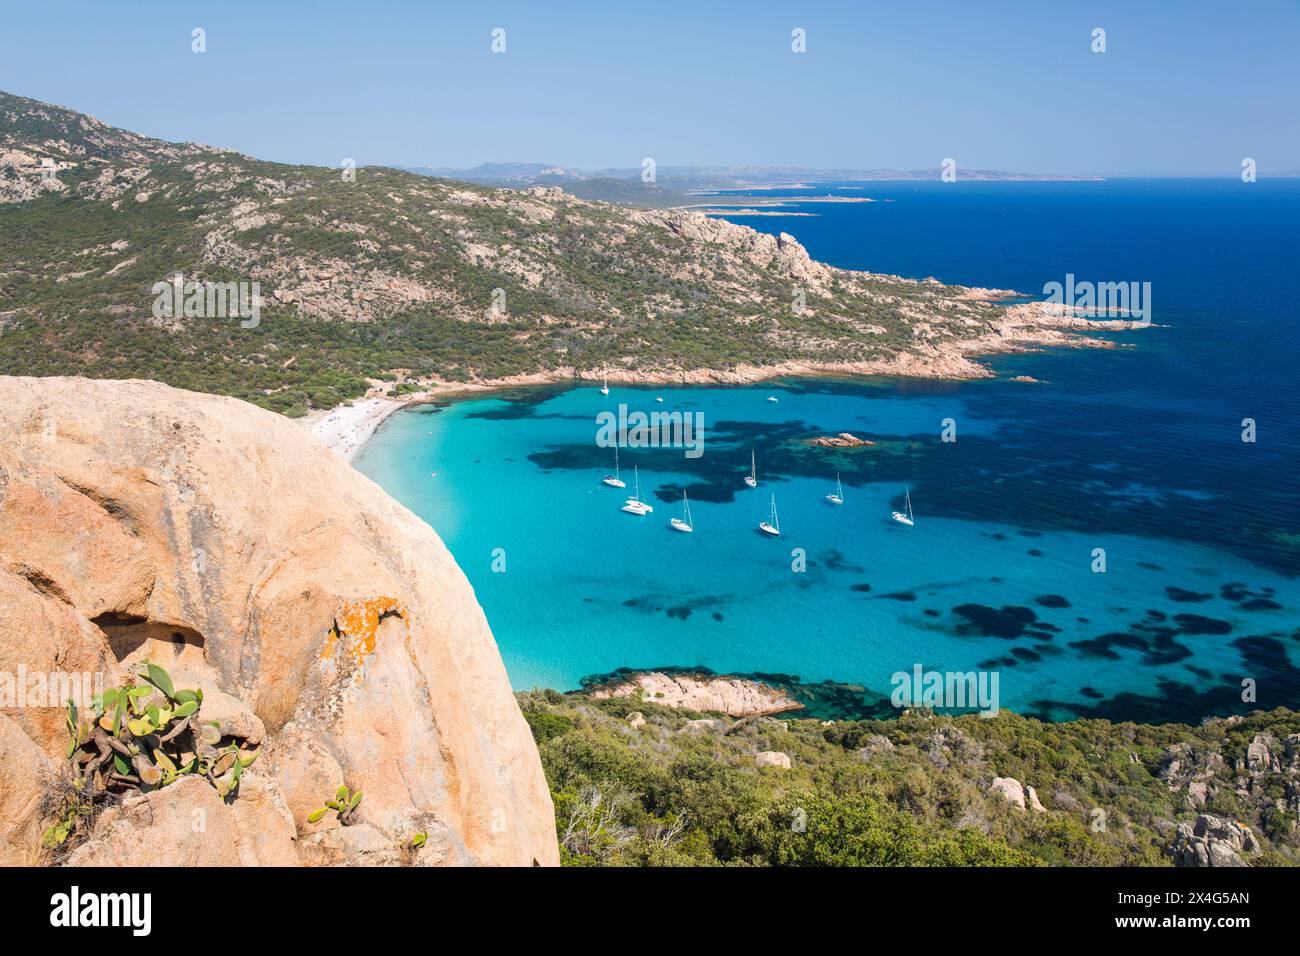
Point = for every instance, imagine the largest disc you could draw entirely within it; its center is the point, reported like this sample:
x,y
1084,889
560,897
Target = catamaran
x,y
614,481
751,479
684,522
838,497
905,517
604,384
634,505
772,526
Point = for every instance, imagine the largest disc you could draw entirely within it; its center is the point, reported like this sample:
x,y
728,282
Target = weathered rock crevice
x,y
40,581
133,639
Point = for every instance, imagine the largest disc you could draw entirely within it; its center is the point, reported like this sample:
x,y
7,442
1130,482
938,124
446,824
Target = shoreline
x,y
346,428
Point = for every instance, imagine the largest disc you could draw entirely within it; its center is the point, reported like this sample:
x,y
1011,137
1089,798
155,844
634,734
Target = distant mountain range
x,y
672,184
708,177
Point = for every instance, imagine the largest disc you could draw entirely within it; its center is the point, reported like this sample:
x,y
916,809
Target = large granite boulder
x,y
318,615
1009,789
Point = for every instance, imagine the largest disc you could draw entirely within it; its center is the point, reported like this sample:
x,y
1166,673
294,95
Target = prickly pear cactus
x,y
344,804
148,734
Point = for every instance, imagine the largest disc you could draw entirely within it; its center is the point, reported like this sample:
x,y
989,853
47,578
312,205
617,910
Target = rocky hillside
x,y
379,274
637,782
319,629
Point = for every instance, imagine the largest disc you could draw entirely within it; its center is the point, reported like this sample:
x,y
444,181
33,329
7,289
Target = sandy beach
x,y
347,427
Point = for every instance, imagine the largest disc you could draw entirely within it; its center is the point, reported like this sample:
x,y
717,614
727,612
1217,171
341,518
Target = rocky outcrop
x,y
1266,754
733,696
842,440
1191,768
782,253
1010,790
772,758
317,614
704,725
1211,841
874,746
948,746
1020,796
1034,803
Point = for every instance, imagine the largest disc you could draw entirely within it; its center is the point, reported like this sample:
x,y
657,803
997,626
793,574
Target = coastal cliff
x,y
326,625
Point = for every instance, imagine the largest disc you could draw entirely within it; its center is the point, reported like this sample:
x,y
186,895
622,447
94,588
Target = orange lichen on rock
x,y
356,626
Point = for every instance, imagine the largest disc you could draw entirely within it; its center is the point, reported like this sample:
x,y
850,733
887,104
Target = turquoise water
x,y
1135,451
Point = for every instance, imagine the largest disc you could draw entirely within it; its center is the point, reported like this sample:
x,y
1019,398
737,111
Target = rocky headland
x,y
434,284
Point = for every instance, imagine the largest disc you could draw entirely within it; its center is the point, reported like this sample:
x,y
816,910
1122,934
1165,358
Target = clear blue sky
x,y
1184,87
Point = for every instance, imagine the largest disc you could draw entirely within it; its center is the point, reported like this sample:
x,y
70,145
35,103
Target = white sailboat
x,y
905,517
684,522
838,497
773,525
634,505
751,479
614,481
604,384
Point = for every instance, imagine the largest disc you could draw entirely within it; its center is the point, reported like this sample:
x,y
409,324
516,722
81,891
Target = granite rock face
x,y
1211,841
318,615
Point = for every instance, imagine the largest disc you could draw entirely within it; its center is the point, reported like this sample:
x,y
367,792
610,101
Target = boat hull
x,y
768,529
